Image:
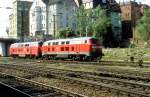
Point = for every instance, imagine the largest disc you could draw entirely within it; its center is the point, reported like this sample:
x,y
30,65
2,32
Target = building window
x,y
67,25
43,17
49,25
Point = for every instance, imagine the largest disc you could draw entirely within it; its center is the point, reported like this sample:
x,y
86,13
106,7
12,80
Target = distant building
x,y
131,13
19,20
59,15
37,18
94,3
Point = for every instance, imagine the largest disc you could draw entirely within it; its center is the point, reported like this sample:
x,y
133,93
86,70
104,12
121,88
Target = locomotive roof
x,y
68,39
22,43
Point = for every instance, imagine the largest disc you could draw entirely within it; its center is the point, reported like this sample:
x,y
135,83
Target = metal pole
x,y
22,27
54,25
47,19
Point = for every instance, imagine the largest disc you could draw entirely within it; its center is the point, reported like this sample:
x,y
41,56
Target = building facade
x,y
19,20
131,13
59,15
37,18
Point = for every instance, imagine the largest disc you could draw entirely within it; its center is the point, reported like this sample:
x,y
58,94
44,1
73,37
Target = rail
x,y
44,86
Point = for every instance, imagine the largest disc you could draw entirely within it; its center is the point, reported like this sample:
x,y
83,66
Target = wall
x,y
2,49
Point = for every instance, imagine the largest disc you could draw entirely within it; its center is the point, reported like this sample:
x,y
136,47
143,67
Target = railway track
x,y
12,91
106,63
84,78
36,89
40,68
102,63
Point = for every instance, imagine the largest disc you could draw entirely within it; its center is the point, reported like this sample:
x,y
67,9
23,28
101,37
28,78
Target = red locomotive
x,y
83,48
26,49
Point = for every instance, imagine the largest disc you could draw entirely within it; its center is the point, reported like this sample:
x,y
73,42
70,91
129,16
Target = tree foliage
x,y
92,22
100,22
66,32
143,26
81,18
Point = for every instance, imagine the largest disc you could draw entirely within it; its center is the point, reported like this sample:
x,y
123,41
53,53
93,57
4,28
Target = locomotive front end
x,y
96,49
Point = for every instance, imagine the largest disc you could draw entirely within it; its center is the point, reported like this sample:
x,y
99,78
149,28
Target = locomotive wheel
x,y
86,58
89,58
83,58
45,57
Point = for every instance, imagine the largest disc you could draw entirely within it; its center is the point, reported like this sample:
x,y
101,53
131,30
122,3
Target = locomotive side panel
x,y
27,49
13,50
76,48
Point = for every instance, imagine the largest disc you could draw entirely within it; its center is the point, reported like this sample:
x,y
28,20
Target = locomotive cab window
x,y
95,41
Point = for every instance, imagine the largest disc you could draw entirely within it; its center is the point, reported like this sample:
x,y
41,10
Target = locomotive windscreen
x,y
95,41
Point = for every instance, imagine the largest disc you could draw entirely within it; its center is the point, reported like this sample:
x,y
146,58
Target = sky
x,y
4,13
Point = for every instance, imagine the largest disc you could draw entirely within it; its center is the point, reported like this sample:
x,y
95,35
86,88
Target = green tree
x,y
93,22
143,27
66,32
100,22
81,18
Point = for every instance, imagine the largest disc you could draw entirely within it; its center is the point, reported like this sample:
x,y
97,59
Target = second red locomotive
x,y
83,48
